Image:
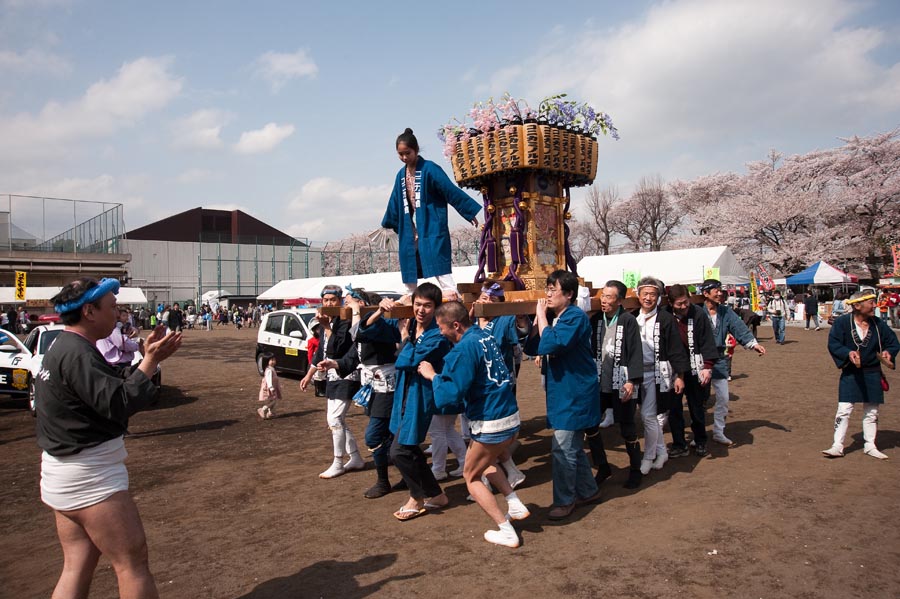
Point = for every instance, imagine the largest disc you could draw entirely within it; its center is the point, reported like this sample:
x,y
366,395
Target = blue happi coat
x,y
475,375
727,321
863,384
573,397
503,330
434,190
413,396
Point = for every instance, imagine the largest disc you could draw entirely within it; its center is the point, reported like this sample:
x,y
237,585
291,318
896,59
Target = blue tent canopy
x,y
820,273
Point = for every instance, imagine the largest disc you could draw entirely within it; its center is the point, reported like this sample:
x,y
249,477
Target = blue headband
x,y
495,290
331,290
90,296
354,294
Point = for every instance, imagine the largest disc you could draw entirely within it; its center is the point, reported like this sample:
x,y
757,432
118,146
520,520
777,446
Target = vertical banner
x,y
765,281
895,250
20,285
754,292
631,278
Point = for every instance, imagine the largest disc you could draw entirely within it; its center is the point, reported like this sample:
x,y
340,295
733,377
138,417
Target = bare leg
x,y
114,526
480,459
80,557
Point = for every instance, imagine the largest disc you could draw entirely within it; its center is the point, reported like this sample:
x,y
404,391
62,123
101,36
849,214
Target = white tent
x,y
379,281
126,295
686,266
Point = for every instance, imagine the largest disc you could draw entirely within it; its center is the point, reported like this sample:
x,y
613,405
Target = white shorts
x,y
78,481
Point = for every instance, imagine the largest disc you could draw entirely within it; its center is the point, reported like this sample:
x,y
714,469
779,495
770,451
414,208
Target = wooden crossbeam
x,y
476,287
524,302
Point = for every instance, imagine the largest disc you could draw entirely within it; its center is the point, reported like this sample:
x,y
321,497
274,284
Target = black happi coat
x,y
672,350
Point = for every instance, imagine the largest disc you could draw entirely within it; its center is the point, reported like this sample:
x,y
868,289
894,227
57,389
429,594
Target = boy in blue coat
x,y
476,375
573,397
417,212
420,340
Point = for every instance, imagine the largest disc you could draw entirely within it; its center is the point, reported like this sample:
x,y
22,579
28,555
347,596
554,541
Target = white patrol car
x,y
284,335
15,366
36,345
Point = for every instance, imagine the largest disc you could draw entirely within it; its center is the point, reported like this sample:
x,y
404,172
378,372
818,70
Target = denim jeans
x,y
778,328
378,439
572,475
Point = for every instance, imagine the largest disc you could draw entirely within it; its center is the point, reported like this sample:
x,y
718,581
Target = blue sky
x,y
289,110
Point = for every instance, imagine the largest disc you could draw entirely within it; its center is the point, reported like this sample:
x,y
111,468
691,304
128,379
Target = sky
x,y
290,110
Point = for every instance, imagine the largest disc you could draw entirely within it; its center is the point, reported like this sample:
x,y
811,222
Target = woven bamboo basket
x,y
569,155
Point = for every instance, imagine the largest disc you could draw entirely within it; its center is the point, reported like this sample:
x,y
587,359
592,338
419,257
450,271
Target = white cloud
x,y
330,209
138,89
201,129
34,61
263,140
278,68
194,175
704,70
228,207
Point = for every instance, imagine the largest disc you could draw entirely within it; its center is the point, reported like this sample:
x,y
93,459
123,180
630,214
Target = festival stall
x,y
821,273
686,266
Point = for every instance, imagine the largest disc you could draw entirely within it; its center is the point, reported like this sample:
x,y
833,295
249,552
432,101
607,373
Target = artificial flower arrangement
x,y
559,138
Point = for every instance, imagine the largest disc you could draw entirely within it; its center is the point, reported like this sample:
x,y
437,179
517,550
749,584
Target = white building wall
x,y
178,271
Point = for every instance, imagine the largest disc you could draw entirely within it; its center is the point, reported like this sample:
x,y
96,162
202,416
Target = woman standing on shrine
x,y
417,212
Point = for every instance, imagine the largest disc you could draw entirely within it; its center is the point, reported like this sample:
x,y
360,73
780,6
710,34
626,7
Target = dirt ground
x,y
233,507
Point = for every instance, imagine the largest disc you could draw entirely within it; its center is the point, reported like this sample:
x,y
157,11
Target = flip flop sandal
x,y
406,513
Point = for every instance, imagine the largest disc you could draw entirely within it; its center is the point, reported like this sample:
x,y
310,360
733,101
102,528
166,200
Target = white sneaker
x,y
501,537
873,451
356,463
333,471
835,451
661,458
517,510
515,478
722,439
646,465
457,473
439,474
608,419
428,450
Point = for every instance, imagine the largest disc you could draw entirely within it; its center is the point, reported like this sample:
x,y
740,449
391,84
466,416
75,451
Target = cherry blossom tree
x,y
838,204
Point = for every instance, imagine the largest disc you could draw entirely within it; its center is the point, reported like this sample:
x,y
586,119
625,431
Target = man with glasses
x,y
572,393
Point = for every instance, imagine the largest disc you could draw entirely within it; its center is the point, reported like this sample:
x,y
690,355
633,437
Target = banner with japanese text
x,y
20,285
754,292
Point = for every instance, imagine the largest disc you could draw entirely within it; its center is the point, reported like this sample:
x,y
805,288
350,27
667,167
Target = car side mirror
x,y
296,334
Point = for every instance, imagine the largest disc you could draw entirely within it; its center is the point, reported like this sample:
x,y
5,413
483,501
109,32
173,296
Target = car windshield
x,y
47,340
7,344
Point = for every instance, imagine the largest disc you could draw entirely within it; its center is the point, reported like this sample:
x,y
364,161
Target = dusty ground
x,y
233,507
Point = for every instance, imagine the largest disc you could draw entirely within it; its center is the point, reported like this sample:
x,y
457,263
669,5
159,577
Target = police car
x,y
284,334
15,367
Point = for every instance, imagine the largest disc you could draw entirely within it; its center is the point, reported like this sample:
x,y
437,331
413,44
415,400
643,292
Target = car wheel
x,y
261,364
31,399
